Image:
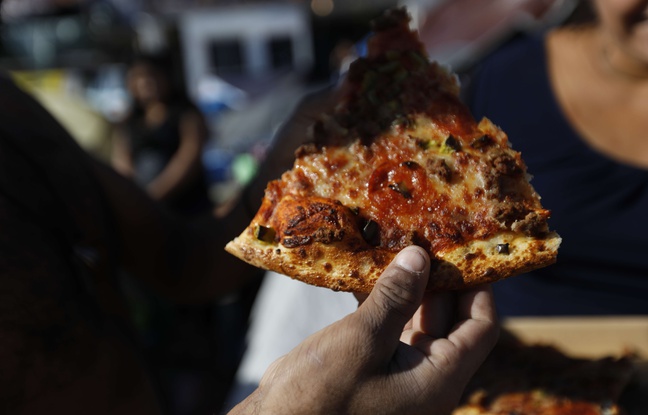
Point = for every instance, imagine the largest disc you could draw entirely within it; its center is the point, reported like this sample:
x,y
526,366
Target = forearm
x,y
186,163
176,175
121,158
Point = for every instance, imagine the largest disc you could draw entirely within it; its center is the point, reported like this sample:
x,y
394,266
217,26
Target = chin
x,y
637,41
639,53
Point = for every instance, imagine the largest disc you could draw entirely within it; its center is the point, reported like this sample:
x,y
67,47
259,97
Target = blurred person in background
x,y
160,143
69,223
574,101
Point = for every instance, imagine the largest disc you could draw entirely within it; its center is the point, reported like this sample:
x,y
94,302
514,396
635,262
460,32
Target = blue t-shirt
x,y
599,206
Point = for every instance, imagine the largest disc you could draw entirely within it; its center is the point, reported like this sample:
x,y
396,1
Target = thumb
x,y
395,297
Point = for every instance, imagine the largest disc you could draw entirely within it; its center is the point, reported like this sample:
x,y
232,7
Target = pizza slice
x,y
536,402
400,161
519,378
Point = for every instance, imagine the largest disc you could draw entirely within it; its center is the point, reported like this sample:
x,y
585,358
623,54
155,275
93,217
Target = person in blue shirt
x,y
574,101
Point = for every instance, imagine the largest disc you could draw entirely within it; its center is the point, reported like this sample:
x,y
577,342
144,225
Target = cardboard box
x,y
590,337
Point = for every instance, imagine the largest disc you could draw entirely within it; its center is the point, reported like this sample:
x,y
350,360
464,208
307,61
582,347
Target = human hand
x,y
403,351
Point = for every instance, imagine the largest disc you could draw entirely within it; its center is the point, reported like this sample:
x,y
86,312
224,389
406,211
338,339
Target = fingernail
x,y
411,259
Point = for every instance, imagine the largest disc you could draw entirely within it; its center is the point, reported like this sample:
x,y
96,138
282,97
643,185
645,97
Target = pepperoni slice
x,y
398,188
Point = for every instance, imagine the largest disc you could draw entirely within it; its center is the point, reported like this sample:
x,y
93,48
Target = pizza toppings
x,y
502,248
452,144
302,221
481,143
264,233
371,232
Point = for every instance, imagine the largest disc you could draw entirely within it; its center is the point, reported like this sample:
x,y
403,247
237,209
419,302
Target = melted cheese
x,y
413,184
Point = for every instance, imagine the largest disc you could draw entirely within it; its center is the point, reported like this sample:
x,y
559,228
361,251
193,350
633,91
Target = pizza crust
x,y
332,266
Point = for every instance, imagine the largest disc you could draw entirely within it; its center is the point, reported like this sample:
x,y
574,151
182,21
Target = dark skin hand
x,y
403,351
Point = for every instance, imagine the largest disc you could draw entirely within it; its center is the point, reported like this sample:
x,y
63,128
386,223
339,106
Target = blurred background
x,y
245,65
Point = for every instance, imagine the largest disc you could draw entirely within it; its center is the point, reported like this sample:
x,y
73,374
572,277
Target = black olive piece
x,y
453,143
410,164
424,144
503,249
355,210
264,233
481,142
400,188
371,232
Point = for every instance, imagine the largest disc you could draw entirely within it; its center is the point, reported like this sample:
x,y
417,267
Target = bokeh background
x,y
245,65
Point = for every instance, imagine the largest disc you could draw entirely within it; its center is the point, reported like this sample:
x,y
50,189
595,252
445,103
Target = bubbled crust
x,y
322,265
337,267
481,261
